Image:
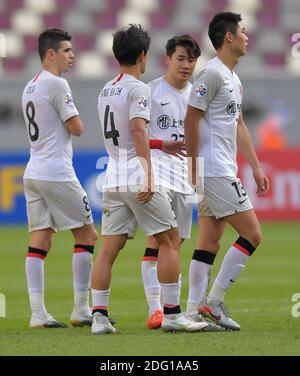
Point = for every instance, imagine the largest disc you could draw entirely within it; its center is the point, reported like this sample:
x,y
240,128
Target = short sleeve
x,y
140,102
206,85
63,100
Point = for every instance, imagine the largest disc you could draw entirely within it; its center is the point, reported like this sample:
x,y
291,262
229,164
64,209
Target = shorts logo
x,y
231,108
142,102
69,100
163,122
200,90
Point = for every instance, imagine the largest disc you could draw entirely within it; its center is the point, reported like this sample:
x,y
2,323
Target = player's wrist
x,y
156,144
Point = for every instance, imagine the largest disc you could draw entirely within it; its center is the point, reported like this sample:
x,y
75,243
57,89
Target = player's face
x,y
181,65
64,56
240,41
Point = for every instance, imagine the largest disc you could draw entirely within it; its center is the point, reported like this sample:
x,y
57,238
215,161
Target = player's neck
x,y
227,58
50,68
133,70
172,81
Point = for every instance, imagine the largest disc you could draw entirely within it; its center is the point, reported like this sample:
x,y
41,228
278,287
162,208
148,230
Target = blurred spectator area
x,y
269,25
269,71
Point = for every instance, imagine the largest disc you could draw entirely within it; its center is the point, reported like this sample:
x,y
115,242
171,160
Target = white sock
x,y
100,299
35,283
151,285
37,304
170,293
232,265
199,274
81,263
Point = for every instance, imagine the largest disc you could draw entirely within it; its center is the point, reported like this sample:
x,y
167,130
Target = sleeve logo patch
x,y
201,90
142,102
69,100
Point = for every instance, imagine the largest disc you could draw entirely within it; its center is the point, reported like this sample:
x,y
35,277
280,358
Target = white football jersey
x,y
168,109
47,103
121,100
218,91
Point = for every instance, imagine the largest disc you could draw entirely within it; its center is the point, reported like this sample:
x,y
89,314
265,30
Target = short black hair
x,y
51,39
185,41
220,25
129,42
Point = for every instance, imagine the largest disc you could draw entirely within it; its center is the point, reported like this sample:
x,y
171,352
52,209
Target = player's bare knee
x,y
256,237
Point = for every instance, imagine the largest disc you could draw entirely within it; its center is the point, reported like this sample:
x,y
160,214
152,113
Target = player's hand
x,y
147,190
262,182
174,148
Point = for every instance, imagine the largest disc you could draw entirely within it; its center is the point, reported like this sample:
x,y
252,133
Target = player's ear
x,y
50,53
167,59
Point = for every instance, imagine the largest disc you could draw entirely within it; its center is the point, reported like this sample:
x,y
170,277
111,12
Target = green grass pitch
x,y
260,301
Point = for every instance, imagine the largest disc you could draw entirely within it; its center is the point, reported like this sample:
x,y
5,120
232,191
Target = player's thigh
x,y
155,216
225,196
117,216
210,231
183,210
38,212
68,204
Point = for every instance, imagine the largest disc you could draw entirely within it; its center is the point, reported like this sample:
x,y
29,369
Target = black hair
x,y
129,42
220,25
185,41
51,39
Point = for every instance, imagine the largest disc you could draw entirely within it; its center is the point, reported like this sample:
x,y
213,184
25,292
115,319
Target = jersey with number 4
x,y
167,123
47,103
121,100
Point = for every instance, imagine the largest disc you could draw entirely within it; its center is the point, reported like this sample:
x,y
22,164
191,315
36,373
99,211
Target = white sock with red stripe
x,y
232,265
100,301
199,273
150,280
82,264
35,280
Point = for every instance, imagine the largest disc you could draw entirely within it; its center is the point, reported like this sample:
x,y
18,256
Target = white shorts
x,y
183,210
56,205
122,212
223,196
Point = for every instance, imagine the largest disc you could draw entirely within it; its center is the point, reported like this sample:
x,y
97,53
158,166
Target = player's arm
x,y
140,137
170,147
74,126
191,135
247,149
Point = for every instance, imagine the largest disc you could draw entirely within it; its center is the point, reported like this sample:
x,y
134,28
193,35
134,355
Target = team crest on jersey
x,y
201,90
69,100
142,102
163,122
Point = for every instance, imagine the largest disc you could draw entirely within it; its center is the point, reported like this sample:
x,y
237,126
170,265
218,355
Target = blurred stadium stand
x,y
270,25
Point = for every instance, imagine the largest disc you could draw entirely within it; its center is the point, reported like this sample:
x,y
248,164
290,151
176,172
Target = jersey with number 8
x,y
47,103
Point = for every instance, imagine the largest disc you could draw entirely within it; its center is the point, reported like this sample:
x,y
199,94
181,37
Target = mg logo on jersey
x,y
163,122
231,108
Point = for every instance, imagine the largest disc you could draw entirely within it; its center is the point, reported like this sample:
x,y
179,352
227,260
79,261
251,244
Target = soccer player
x,y
214,128
169,95
55,199
129,198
